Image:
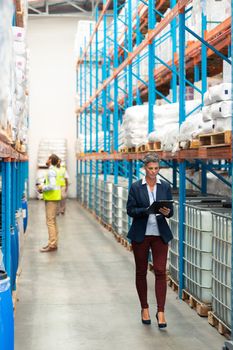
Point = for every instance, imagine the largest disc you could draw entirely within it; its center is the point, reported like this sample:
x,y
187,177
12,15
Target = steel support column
x,y
182,164
151,66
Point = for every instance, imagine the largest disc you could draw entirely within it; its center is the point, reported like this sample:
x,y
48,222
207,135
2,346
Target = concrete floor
x,y
83,297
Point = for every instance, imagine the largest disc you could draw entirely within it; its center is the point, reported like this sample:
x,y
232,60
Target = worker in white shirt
x,y
51,190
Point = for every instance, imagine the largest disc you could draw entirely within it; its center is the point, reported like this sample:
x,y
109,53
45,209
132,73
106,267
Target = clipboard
x,y
155,206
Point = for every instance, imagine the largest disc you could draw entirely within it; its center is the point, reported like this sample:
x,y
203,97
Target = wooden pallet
x,y
214,321
106,225
218,139
173,284
133,149
142,148
201,308
194,143
124,150
117,236
191,144
153,146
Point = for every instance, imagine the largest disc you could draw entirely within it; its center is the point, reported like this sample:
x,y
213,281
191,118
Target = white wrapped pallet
x,y
135,125
206,113
222,124
190,127
221,92
221,109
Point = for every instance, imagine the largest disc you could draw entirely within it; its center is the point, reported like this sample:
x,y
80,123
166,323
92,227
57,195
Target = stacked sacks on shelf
x,y
166,124
190,129
135,126
221,108
80,143
20,105
6,68
13,72
217,108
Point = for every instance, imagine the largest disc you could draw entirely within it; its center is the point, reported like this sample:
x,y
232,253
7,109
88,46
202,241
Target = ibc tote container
x,y
120,195
107,202
98,197
197,247
86,190
198,252
221,266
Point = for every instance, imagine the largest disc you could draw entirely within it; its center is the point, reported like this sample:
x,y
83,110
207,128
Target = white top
x,y
152,225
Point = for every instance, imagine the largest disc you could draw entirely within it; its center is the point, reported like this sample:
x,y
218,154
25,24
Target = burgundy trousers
x,y
159,253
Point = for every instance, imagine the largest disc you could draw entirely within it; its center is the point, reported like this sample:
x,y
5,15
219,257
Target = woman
x,y
150,231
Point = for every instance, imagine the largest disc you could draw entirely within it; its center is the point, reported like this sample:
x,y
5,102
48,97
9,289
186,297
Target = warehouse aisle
x,y
82,297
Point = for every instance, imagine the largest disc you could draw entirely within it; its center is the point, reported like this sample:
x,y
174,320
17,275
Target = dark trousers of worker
x,y
159,253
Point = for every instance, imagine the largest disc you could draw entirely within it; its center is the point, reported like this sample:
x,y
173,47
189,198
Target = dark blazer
x,y
137,204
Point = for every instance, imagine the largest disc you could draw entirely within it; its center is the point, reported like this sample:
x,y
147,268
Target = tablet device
x,y
155,206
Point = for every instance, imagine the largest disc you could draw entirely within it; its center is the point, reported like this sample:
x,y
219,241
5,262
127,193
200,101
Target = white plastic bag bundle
x,y
20,92
153,136
222,124
18,33
207,98
206,127
168,111
20,62
20,48
170,138
221,92
20,76
221,109
206,113
135,125
190,126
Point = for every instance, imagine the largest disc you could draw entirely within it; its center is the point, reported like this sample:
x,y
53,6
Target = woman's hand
x,y
165,211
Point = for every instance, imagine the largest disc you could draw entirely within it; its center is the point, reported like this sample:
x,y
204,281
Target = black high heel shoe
x,y
160,325
145,321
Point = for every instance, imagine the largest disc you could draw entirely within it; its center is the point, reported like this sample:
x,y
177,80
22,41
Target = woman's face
x,y
152,170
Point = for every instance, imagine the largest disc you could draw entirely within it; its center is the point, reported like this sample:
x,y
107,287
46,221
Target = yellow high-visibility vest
x,y
53,195
61,176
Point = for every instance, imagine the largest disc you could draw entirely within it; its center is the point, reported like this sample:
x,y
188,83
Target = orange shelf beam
x,y
189,154
6,151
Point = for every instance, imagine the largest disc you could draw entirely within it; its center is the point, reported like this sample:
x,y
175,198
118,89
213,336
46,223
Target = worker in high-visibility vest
x,y
51,190
63,180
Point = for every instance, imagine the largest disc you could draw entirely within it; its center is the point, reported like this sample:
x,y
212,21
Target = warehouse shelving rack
x,y
13,178
14,175
185,67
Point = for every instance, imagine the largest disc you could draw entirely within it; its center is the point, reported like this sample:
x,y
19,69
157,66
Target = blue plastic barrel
x,y
14,255
25,213
6,314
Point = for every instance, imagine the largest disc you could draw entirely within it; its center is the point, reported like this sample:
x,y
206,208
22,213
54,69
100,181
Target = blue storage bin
x,y
25,213
6,314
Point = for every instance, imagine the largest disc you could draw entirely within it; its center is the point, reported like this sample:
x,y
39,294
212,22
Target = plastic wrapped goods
x,y
206,127
190,127
170,138
153,137
206,113
221,92
18,33
135,125
207,98
221,109
222,124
